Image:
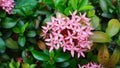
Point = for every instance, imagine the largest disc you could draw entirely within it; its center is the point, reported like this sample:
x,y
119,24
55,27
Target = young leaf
x,y
100,37
25,65
113,27
24,27
87,7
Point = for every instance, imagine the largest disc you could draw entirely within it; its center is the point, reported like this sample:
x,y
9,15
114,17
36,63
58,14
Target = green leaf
x,y
52,53
4,56
10,43
95,22
82,3
16,30
100,37
68,10
114,59
31,34
2,46
64,64
74,4
61,57
113,27
103,5
73,63
118,42
60,5
84,61
40,55
14,64
87,7
0,34
25,65
24,27
107,15
22,41
110,4
9,23
24,7
91,13
49,3
33,66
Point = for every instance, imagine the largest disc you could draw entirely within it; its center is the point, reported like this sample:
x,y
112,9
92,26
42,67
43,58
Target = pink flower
x,y
91,65
71,34
7,5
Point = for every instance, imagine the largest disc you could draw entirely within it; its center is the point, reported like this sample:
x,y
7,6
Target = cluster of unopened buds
x,y
91,65
69,33
7,5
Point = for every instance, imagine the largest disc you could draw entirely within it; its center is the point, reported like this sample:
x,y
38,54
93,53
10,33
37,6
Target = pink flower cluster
x,y
7,5
69,33
91,65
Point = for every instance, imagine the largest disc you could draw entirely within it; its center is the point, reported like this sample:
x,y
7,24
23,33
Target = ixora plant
x,y
59,33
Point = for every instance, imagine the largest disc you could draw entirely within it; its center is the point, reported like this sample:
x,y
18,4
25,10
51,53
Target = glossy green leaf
x,y
100,37
103,5
107,15
61,57
10,43
2,46
9,23
95,22
31,34
40,55
22,41
64,64
87,7
113,27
